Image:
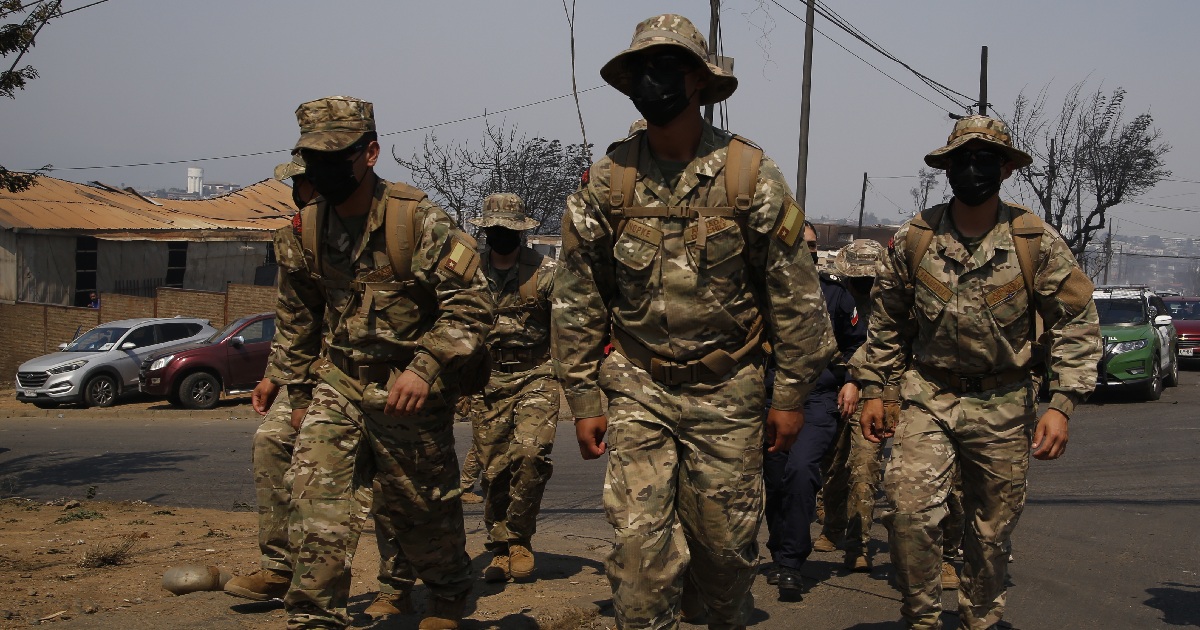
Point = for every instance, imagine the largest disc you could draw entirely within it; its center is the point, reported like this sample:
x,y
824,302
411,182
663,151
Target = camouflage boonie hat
x,y
860,259
989,130
333,123
636,126
669,30
504,210
288,170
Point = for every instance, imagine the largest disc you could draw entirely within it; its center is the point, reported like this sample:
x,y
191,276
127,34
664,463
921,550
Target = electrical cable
x,y
1151,227
877,69
871,185
390,133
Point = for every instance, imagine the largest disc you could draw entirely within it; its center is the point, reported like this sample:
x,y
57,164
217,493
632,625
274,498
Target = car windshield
x,y
1184,309
96,340
1113,312
224,332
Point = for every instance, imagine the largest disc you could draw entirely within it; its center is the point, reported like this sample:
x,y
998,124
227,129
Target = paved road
x,y
1109,539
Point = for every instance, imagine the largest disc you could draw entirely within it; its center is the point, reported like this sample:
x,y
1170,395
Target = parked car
x,y
1185,315
1139,341
232,361
100,365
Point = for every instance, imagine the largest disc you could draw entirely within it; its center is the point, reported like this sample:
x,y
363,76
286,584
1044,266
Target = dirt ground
x,y
41,580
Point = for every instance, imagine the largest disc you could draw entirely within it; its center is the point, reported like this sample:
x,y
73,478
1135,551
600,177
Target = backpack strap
x,y
312,225
1027,232
528,263
622,179
741,172
916,241
400,236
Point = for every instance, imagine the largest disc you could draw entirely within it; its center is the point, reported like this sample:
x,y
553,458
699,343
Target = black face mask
x,y
660,93
333,179
815,257
862,286
297,198
974,176
503,240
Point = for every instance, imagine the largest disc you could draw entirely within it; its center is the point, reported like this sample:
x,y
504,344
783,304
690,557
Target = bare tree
x,y
1087,158
926,181
17,37
542,172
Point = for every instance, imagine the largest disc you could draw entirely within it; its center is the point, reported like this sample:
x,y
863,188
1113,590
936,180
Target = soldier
x,y
389,307
975,273
515,419
682,244
794,477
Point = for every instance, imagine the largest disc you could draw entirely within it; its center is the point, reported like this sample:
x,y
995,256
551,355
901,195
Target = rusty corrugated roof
x,y
55,204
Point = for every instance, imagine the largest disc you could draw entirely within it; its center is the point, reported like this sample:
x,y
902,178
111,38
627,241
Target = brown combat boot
x,y
858,562
498,570
823,544
444,614
949,577
260,586
520,562
390,604
471,497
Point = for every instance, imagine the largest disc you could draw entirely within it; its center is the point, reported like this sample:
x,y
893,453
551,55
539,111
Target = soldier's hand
x,y
407,395
264,396
871,421
590,433
891,415
848,400
298,417
782,429
1050,438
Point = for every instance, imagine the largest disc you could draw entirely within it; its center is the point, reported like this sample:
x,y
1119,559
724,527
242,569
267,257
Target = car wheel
x,y
1153,389
200,391
100,391
1172,378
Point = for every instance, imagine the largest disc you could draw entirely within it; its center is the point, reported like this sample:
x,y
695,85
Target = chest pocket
x,y
1008,303
637,247
930,295
723,243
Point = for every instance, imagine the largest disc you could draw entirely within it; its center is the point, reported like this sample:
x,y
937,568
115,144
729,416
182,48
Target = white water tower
x,y
195,184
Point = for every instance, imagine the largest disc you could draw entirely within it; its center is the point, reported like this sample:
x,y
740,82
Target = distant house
x,y
60,240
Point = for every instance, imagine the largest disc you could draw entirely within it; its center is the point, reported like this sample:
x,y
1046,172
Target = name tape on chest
x,y
643,232
938,288
714,226
1005,293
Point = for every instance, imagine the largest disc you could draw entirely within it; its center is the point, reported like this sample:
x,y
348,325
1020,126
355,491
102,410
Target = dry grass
x,y
107,554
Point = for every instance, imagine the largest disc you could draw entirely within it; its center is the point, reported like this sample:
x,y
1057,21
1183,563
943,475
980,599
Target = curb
x,y
233,413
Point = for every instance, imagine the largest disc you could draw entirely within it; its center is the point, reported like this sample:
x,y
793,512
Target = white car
x,y
102,364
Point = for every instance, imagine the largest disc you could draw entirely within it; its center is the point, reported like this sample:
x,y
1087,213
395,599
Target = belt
x,y
974,382
512,360
710,367
366,371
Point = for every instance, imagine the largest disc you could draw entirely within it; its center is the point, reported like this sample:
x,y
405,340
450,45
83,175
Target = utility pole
x,y
862,205
805,91
714,20
983,82
1107,253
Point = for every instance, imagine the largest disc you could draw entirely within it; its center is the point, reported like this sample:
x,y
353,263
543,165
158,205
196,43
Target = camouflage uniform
x,y
969,398
272,451
515,419
361,330
683,488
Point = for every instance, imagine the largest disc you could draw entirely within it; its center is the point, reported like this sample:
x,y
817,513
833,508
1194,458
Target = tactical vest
x,y
742,162
528,265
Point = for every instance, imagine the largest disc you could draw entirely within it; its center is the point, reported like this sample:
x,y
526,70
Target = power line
x,y
1152,205
856,55
1184,181
82,7
274,151
1151,227
889,199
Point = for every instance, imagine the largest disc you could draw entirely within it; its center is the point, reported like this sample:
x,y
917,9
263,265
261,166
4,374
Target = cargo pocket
x,y
635,251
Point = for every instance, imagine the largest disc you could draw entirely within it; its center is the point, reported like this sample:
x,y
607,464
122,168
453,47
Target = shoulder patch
x,y
791,223
461,259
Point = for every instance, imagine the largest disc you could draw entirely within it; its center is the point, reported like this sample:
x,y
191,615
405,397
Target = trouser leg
x,y
331,464
535,421
954,523
395,573
273,444
492,430
865,466
790,542
836,472
471,467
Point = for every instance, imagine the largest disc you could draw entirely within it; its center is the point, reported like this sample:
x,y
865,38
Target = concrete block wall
x,y
247,299
114,307
22,335
202,304
64,323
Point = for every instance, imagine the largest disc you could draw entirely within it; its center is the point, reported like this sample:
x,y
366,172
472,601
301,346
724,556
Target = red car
x,y
232,361
1185,314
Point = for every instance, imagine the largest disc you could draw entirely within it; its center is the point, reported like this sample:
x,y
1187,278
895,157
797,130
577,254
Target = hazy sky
x,y
132,81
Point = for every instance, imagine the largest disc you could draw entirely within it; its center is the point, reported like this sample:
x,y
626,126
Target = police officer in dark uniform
x,y
794,478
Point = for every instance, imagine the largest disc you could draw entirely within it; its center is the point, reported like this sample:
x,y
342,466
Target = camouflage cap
x,y
669,30
637,125
333,123
504,210
288,170
861,258
982,128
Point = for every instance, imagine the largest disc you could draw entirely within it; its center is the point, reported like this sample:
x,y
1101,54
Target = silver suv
x,y
100,365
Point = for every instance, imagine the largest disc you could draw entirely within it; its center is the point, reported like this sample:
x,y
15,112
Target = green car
x,y
1139,341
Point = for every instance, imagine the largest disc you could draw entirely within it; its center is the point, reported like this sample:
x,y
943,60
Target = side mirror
x,y
1162,320
128,345
62,346
238,341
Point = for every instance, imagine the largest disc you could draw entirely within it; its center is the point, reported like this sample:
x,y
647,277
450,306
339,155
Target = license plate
x,y
1186,352
29,393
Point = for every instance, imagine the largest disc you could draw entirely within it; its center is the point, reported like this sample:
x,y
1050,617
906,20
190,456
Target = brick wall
x,y
22,335
114,307
202,304
246,299
64,323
